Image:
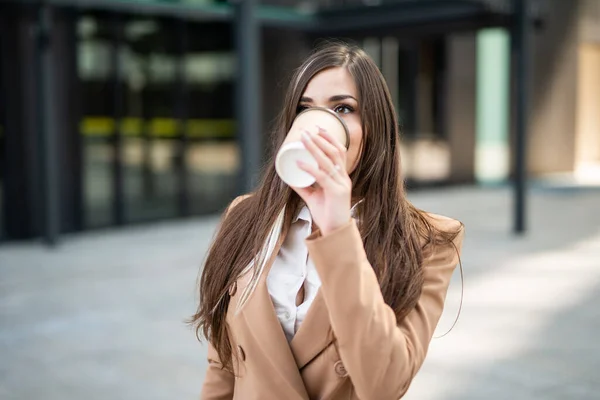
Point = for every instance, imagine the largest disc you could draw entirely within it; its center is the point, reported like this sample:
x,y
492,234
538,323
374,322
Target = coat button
x,y
340,369
242,353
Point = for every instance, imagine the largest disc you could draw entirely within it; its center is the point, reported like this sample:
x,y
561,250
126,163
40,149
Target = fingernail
x,y
305,135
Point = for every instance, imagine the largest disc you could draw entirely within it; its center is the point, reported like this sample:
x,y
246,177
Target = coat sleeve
x,y
218,382
380,353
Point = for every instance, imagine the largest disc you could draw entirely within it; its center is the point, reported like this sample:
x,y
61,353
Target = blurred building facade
x,y
142,107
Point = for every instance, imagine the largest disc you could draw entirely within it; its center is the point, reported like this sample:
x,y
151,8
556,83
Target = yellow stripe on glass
x,y
158,127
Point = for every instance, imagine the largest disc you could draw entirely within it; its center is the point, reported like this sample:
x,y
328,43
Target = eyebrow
x,y
338,97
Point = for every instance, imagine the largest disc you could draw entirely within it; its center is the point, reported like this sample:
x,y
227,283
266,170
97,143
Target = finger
x,y
340,149
322,178
329,137
329,149
323,161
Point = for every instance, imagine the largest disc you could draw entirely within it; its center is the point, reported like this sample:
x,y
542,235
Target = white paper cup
x,y
293,150
287,168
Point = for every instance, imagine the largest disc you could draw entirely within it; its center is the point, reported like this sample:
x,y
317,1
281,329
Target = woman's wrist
x,y
326,230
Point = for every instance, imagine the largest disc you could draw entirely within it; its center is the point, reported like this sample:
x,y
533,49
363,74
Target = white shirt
x,y
291,269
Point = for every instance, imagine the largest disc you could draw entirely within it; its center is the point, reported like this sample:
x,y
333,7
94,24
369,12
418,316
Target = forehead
x,y
331,82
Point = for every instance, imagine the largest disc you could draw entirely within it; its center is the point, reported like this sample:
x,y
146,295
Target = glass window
x,y
169,166
149,131
96,126
421,88
213,155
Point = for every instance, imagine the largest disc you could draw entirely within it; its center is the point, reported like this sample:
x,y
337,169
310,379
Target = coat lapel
x,y
260,318
313,336
315,333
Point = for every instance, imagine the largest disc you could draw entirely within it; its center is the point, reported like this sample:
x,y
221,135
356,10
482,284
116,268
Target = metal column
x,y
522,52
248,91
47,132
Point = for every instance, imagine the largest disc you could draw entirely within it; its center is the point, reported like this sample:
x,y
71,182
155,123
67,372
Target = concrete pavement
x,y
102,315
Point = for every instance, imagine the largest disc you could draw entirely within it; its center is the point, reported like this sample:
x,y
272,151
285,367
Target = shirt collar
x,y
304,213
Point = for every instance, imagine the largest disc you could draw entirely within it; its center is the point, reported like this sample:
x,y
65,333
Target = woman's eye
x,y
343,109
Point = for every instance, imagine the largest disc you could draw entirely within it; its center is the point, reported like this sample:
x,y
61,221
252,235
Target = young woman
x,y
332,291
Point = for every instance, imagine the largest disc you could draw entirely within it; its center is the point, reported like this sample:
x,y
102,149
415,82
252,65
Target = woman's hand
x,y
329,198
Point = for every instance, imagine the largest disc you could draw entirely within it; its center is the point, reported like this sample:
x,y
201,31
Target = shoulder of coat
x,y
444,223
237,201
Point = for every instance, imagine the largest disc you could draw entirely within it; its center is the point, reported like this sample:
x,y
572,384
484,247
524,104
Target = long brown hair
x,y
393,230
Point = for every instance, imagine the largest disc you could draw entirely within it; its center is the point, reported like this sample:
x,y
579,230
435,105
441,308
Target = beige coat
x,y
350,346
